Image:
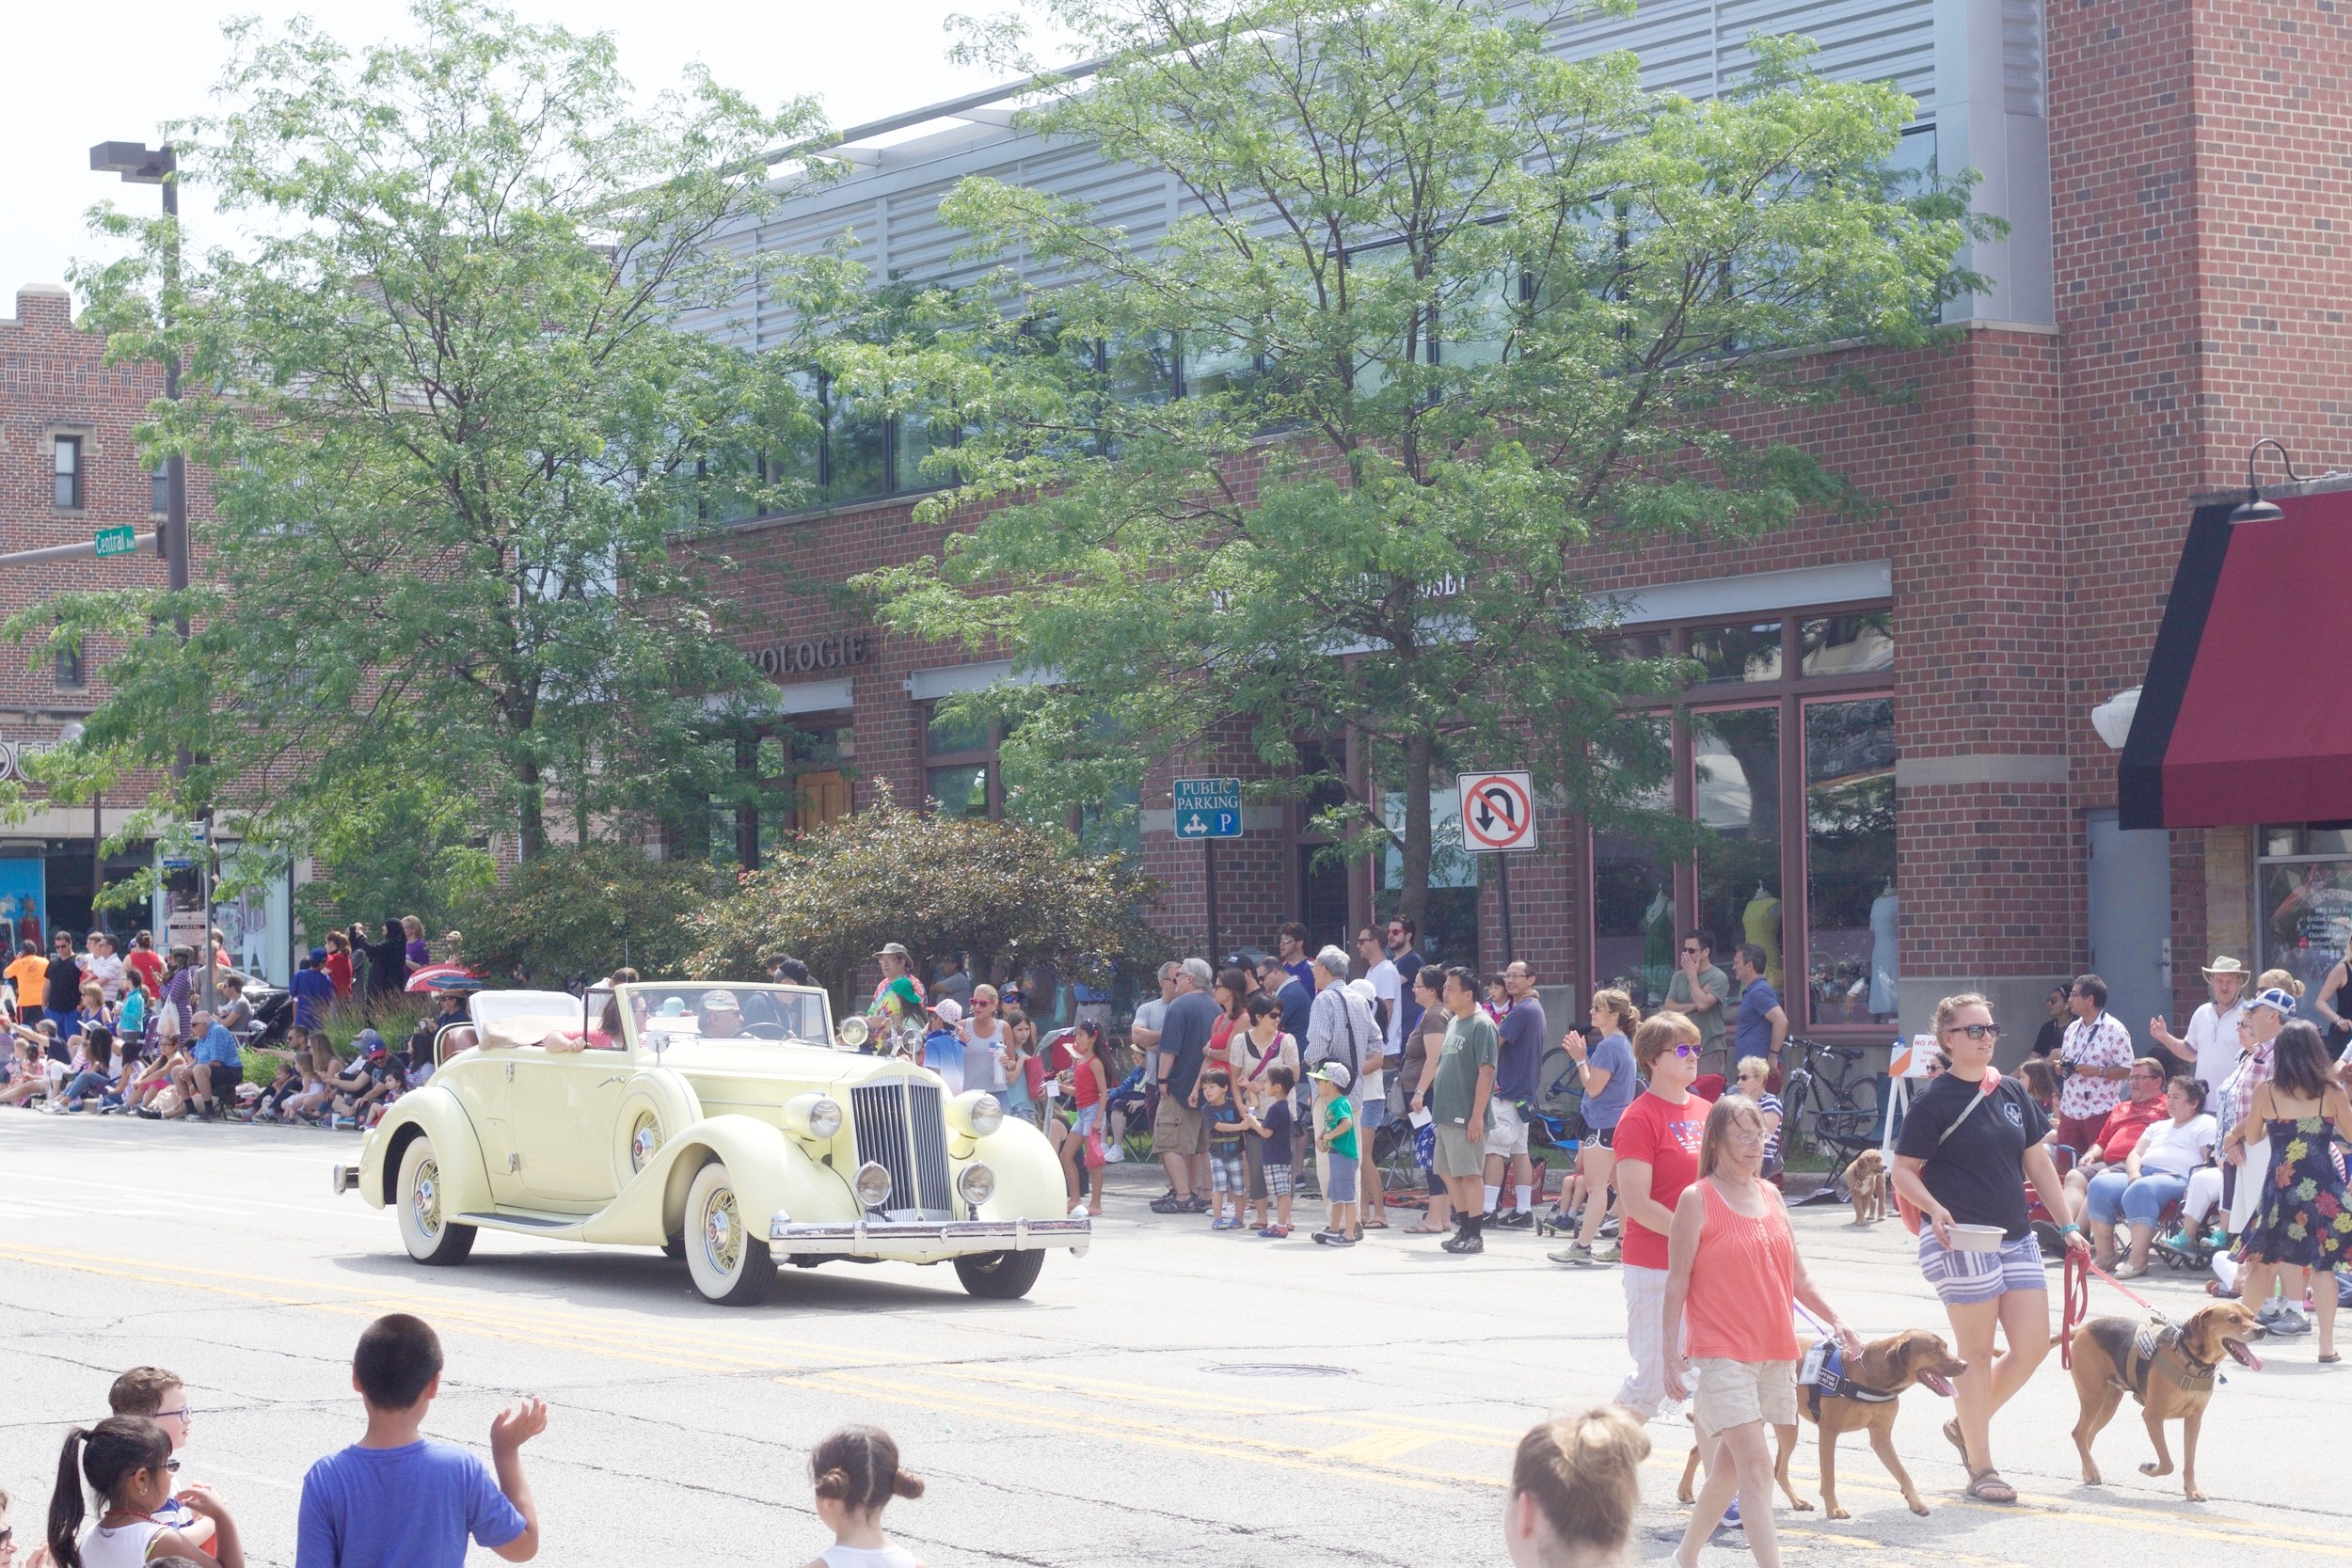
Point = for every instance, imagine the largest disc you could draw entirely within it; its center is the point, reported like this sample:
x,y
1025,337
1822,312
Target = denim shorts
x,y
1343,1177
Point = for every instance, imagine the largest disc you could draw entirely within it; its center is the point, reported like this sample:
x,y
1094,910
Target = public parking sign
x,y
1497,812
1208,808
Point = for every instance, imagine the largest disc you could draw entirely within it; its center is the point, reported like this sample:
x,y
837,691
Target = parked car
x,y
729,1125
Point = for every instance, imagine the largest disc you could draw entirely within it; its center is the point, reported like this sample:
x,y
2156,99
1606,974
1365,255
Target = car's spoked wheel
x,y
729,1261
1000,1276
645,1141
425,1225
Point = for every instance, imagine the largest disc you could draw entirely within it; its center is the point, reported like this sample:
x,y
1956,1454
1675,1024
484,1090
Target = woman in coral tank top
x,y
1732,1275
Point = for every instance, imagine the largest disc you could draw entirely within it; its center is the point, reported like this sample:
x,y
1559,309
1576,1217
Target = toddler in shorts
x,y
1228,1181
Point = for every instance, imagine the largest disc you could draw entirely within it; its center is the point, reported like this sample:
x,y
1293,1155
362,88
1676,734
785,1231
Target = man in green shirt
x,y
1465,1083
1702,993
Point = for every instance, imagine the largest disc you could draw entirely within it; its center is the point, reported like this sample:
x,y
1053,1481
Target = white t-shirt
x,y
107,972
1388,986
2212,1038
2176,1149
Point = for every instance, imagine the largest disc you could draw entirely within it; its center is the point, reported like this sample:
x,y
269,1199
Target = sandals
x,y
1951,1435
2331,1358
1418,1229
1986,1486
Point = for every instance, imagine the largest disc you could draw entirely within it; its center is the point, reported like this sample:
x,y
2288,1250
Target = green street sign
x,y
115,541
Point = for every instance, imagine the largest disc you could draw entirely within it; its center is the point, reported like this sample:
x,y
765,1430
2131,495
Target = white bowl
x,y
1977,1238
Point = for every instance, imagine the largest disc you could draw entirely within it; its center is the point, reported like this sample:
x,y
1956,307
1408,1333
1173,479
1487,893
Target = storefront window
x,y
1846,644
1737,654
1633,900
1449,931
1735,797
2305,893
1850,967
959,754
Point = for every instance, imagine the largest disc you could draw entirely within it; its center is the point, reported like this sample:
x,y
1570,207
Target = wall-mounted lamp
x,y
2254,509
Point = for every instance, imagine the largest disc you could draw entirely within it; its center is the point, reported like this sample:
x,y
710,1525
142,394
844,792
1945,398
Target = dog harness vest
x,y
2156,1351
1831,1382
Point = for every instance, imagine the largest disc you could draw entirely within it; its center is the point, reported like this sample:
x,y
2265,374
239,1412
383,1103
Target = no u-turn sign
x,y
1497,812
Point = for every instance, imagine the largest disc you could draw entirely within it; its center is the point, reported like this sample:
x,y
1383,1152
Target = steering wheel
x,y
765,1031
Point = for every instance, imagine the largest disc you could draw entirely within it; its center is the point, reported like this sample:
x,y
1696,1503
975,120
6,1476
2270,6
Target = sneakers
x,y
1518,1219
346,1124
1222,1223
1731,1516
1462,1244
1274,1232
1171,1204
1582,1257
1114,1156
2283,1321
1338,1238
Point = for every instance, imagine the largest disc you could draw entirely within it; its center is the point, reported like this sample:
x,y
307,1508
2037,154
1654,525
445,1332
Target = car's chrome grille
x,y
900,1127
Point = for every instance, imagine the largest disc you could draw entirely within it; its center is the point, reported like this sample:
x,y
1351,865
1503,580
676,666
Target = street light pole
x,y
140,165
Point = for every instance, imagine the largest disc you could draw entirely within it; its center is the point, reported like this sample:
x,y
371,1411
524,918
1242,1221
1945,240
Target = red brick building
x,y
69,466
1892,750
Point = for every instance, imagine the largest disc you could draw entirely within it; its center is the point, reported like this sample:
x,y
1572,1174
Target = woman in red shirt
x,y
1734,1274
338,966
1656,1145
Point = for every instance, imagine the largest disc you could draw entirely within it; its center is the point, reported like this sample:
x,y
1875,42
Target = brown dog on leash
x,y
1877,1379
2170,1370
1866,1186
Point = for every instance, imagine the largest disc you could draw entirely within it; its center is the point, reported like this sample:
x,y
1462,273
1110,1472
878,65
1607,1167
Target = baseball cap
x,y
721,1001
1333,1073
1364,989
948,1009
370,1043
2276,1000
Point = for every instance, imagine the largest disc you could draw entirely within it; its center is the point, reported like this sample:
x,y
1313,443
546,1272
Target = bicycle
x,y
1847,1113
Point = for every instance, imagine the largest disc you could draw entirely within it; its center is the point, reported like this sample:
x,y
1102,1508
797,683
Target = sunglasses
x,y
1691,947
1976,1031
1686,1051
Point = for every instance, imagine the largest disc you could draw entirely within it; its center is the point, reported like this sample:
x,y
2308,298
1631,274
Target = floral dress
x,y
2300,1219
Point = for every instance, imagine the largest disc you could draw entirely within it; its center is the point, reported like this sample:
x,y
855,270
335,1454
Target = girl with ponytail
x,y
127,1461
856,1472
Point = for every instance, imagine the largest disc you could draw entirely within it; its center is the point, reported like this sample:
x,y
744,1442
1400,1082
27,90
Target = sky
x,y
152,61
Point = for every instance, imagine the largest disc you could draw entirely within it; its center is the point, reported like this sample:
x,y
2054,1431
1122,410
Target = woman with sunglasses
x,y
1972,1141
1656,1145
127,1461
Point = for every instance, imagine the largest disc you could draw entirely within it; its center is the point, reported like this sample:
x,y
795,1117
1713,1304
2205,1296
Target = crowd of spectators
x,y
141,1033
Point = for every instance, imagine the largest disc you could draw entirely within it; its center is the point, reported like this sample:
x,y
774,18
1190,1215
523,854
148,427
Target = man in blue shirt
x,y
312,991
1762,1026
218,1065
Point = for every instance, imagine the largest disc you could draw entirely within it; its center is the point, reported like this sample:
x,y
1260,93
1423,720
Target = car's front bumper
x,y
895,1238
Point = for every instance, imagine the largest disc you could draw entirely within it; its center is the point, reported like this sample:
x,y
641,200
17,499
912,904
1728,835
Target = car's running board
x,y
524,1222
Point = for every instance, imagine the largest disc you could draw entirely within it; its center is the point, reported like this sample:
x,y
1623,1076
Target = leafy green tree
x,y
587,910
998,890
1452,311
451,395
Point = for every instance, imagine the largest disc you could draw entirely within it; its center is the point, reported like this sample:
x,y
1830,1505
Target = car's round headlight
x,y
855,1033
824,1118
977,1183
987,1115
872,1185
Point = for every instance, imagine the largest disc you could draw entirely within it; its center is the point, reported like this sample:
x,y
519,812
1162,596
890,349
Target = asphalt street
x,y
1174,1397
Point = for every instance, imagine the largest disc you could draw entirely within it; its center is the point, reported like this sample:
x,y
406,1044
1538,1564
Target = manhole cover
x,y
1278,1369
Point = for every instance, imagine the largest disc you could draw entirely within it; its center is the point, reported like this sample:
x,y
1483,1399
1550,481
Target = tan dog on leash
x,y
2170,1370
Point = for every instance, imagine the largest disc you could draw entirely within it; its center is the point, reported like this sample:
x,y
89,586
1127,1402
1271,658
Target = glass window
x,y
69,668
960,791
1140,370
68,450
1735,777
1213,365
159,491
2307,900
857,455
947,735
1638,645
1846,644
1633,900
913,442
1850,968
1114,825
1732,653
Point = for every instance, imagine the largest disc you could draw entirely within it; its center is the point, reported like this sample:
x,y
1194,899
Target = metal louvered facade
x,y
885,213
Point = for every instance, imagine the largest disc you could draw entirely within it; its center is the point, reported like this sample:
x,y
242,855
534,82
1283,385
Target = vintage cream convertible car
x,y
725,1124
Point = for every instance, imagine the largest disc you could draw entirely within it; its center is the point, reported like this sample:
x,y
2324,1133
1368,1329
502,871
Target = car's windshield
x,y
665,1014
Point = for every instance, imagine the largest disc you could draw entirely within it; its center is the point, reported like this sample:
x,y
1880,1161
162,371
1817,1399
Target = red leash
x,y
2077,1301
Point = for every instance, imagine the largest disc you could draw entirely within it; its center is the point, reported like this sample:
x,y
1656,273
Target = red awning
x,y
2245,716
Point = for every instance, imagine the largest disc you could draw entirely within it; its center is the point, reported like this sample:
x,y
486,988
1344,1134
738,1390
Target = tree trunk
x,y
1420,749
531,827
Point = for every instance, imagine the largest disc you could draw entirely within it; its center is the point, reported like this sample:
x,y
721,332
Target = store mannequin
x,y
1657,944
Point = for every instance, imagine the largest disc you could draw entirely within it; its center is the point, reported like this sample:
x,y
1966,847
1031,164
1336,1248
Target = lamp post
x,y
141,165
2254,509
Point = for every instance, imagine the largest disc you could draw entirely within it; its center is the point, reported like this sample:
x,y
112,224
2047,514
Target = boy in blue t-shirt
x,y
398,1499
1273,1125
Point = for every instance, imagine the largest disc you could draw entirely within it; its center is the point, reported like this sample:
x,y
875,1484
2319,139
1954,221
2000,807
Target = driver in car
x,y
722,1015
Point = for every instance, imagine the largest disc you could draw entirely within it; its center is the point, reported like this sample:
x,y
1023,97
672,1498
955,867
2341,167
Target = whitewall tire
x,y
725,1252
426,1224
